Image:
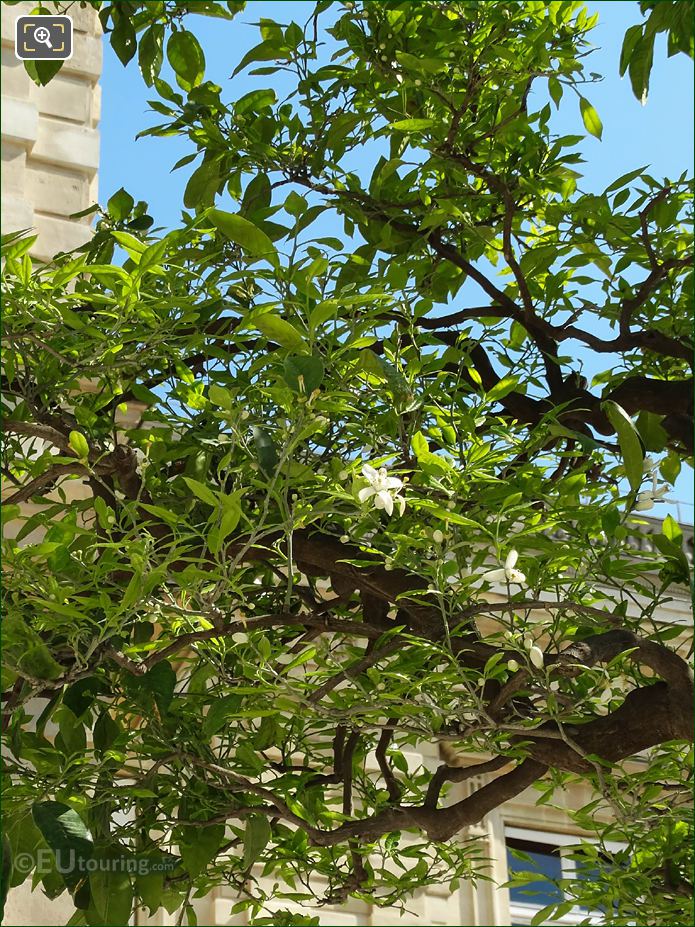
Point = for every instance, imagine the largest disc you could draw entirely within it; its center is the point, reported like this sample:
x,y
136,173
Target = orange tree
x,y
346,492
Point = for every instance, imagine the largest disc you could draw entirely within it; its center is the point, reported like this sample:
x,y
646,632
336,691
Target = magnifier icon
x,y
41,34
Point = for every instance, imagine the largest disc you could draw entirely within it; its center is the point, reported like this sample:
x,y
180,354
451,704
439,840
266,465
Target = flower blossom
x,y
507,573
384,489
647,498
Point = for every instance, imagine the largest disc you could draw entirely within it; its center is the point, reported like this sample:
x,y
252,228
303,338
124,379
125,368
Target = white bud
x,y
536,657
418,82
240,638
512,666
343,475
384,57
438,536
244,414
555,685
382,45
344,539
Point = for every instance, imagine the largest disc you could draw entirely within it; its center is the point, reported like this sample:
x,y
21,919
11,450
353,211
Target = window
x,y
546,855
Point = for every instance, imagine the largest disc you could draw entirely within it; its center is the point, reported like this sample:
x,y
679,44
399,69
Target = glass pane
x,y
543,859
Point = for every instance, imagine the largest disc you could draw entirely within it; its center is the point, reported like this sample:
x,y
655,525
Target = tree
x,y
349,496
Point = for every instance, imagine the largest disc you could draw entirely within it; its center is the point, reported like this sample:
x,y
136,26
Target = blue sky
x,y
659,134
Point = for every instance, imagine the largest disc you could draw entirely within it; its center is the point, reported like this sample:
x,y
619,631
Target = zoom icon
x,y
43,38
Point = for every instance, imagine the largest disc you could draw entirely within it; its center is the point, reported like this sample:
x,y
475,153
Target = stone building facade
x,y
50,138
50,154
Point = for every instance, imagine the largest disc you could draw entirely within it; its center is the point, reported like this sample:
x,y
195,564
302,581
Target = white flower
x,y
382,488
647,498
536,657
507,573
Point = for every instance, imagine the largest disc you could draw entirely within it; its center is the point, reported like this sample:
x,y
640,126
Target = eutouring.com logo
x,y
69,862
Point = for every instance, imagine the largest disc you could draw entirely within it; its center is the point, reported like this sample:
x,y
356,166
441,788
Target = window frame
x,y
523,912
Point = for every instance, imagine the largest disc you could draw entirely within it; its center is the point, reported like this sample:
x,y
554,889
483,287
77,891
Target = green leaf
x,y
220,711
265,450
670,467
123,39
79,697
628,439
106,730
412,125
201,847
202,185
264,51
640,67
625,179
149,887
79,444
672,530
505,386
219,396
150,53
592,122
280,330
120,205
42,72
186,58
161,682
555,90
653,436
201,491
68,837
112,893
303,373
256,837
243,233
231,513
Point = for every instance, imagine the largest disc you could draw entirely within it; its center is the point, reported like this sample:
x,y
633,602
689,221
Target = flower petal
x,y
495,576
370,473
515,576
366,493
392,482
512,557
386,501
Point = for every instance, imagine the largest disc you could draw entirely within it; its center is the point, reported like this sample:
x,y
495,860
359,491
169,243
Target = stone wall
x,y
50,139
